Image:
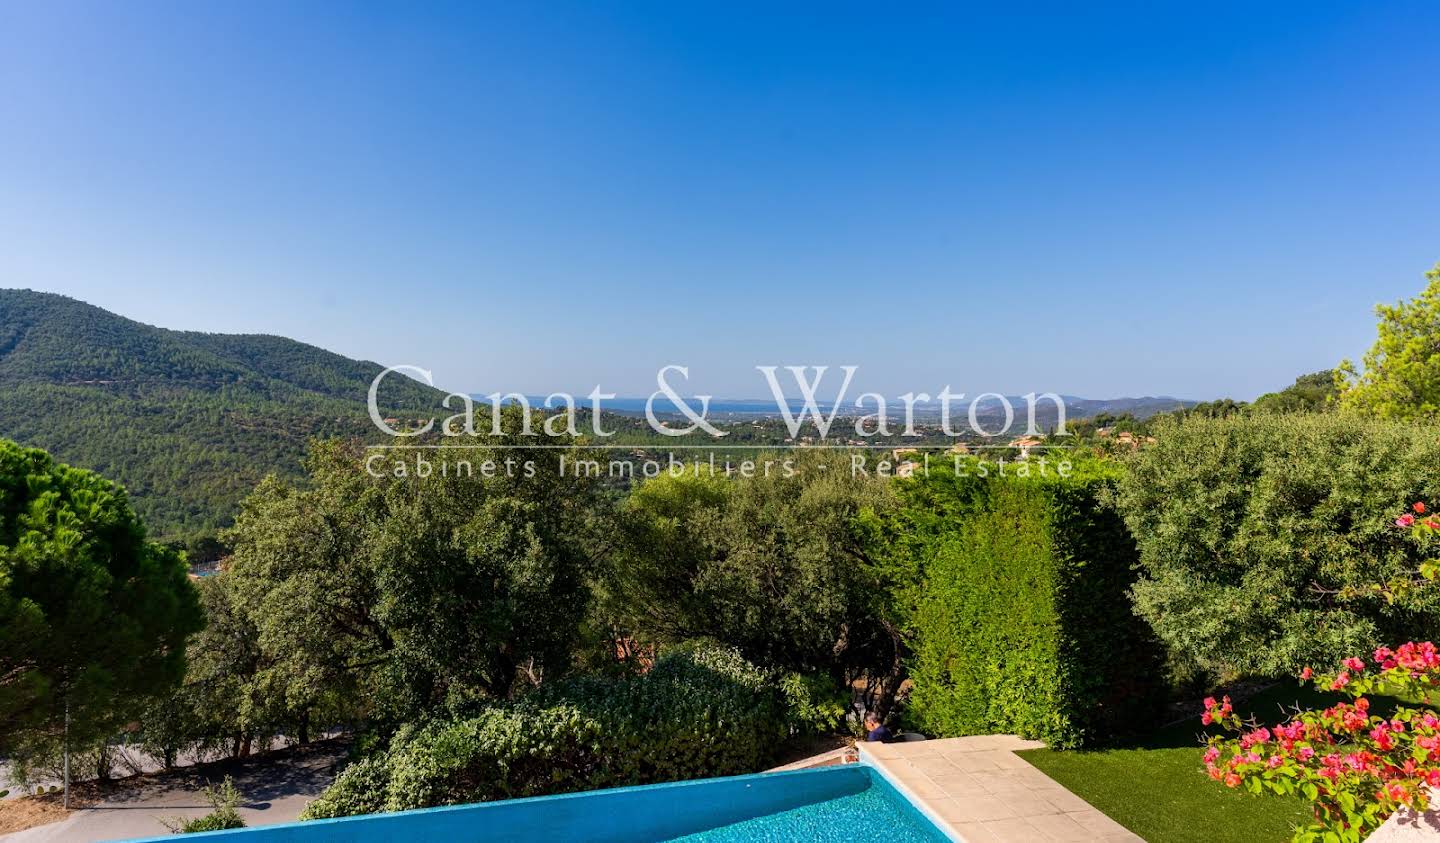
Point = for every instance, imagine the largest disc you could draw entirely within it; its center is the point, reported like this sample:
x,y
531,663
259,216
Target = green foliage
x,y
775,566
1015,606
223,802
699,712
1355,766
814,704
232,695
1401,379
1312,393
92,616
413,592
1266,541
189,423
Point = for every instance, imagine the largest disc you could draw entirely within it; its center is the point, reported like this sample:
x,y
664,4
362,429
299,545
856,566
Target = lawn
x,y
1157,789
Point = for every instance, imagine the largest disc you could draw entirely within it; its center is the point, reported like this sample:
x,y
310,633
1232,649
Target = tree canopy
x,y
1266,541
776,566
413,592
93,617
1401,376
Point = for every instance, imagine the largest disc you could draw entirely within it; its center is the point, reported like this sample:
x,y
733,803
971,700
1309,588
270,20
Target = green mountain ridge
x,y
188,422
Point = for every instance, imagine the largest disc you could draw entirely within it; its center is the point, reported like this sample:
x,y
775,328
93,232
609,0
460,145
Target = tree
x,y
407,593
93,617
1402,370
1266,541
1312,393
776,566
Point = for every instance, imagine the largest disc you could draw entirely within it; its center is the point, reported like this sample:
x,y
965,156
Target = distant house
x,y
1025,443
1132,441
959,448
900,452
907,468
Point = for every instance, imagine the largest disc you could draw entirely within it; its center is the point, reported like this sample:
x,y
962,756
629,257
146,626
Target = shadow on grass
x,y
1156,786
1274,705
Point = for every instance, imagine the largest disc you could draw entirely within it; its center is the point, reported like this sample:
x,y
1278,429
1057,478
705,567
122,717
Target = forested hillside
x,y
187,422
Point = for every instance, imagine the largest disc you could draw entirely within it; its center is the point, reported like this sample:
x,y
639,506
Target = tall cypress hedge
x,y
1017,609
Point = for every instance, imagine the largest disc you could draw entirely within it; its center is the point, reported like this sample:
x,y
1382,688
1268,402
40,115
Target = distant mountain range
x,y
763,408
187,422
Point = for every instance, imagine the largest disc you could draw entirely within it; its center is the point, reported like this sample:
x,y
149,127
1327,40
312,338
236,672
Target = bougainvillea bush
x,y
1356,766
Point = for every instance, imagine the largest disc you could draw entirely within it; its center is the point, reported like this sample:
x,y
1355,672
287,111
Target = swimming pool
x,y
850,802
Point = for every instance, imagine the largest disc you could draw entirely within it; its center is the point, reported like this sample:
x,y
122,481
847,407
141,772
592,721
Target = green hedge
x,y
1017,612
699,712
1268,543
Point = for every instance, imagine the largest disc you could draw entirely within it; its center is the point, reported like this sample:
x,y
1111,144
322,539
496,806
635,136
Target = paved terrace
x,y
984,793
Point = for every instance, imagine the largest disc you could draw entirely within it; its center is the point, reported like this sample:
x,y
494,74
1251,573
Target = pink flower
x,y
1275,761
1419,507
1305,753
1355,664
1306,673
1211,754
1341,681
1405,520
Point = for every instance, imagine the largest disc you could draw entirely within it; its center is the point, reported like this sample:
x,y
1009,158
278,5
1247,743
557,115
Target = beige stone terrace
x,y
983,792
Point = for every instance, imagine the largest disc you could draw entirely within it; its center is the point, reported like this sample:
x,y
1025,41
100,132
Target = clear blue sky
x,y
1110,199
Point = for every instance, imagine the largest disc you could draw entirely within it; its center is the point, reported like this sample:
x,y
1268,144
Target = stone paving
x,y
985,793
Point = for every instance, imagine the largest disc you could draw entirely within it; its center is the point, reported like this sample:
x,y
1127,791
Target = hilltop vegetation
x,y
186,422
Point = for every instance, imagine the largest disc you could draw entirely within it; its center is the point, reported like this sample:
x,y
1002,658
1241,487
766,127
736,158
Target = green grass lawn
x,y
1157,787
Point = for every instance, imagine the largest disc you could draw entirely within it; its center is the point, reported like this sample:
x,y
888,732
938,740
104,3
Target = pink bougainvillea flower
x,y
1342,752
1405,520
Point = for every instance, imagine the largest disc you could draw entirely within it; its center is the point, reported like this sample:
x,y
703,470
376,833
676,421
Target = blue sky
x,y
1199,200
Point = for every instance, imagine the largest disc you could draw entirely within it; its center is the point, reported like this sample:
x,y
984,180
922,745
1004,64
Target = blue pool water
x,y
872,814
850,802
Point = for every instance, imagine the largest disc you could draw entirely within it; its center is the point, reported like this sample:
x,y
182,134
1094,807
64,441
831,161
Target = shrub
x,y
1355,766
223,802
1016,610
1266,542
812,704
700,711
